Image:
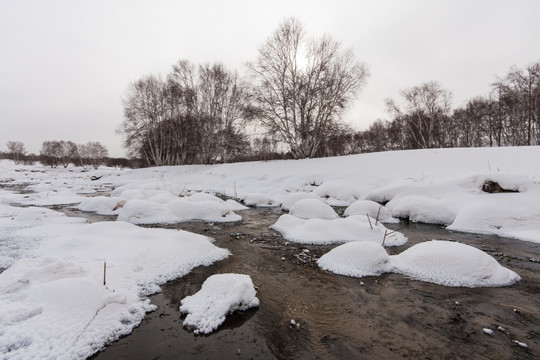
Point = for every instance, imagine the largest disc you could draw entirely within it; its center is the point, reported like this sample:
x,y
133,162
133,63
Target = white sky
x,y
65,65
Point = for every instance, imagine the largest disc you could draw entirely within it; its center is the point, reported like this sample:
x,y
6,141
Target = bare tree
x,y
216,97
303,86
426,111
68,152
16,150
51,153
94,153
518,97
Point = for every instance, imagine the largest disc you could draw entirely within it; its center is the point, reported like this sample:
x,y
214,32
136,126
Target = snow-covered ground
x,y
55,264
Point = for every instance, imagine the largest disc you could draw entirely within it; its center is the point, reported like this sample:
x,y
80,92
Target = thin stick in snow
x,y
369,221
384,238
378,213
104,273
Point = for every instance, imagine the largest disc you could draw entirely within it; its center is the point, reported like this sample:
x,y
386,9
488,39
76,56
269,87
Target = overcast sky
x,y
65,65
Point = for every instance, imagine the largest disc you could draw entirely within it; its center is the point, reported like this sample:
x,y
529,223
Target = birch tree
x,y
302,86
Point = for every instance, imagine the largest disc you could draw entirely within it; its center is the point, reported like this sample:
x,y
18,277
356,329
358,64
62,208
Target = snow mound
x,y
235,205
313,209
372,209
259,200
292,198
337,231
138,211
102,205
203,207
452,264
219,296
206,210
201,196
357,259
340,192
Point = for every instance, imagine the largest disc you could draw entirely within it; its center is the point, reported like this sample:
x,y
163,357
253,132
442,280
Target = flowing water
x,y
338,317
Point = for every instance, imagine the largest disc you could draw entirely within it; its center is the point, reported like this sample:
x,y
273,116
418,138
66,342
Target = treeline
x,y
294,95
63,153
509,116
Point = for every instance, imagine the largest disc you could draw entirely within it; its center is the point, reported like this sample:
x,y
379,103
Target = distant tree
x,y
473,123
93,153
68,152
216,98
425,114
518,98
194,115
16,150
51,153
302,87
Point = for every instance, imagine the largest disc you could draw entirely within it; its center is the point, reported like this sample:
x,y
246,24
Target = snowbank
x,y
61,289
219,296
440,186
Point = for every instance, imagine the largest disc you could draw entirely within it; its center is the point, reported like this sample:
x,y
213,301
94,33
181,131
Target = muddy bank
x,y
339,317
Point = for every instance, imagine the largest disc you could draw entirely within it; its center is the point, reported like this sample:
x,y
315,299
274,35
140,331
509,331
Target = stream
x,y
385,317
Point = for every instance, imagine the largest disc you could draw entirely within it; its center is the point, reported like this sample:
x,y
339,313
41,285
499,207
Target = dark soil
x,y
338,317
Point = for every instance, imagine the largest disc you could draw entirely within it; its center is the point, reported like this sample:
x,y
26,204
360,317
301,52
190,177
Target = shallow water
x,y
385,317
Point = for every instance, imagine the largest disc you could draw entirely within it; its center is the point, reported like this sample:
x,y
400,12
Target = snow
x,y
155,207
219,296
372,209
340,230
439,186
452,264
103,205
356,259
54,272
312,209
53,264
292,198
441,262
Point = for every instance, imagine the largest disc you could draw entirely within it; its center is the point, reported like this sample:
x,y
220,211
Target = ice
x,y
219,296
